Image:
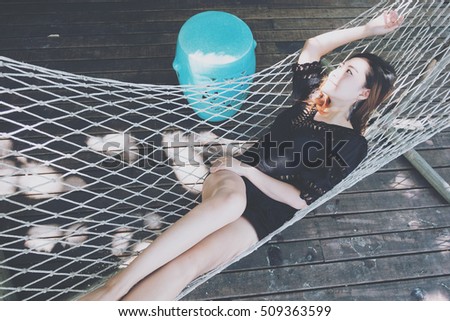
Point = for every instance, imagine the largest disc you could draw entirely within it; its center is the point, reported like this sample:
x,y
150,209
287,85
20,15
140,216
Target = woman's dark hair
x,y
379,79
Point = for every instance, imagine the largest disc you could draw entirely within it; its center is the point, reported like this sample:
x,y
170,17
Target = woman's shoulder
x,y
308,73
354,137
360,140
309,53
306,78
357,146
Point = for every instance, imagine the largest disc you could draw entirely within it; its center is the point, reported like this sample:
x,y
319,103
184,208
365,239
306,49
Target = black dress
x,y
312,155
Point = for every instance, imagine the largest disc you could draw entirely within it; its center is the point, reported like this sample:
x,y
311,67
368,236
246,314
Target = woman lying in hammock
x,y
308,150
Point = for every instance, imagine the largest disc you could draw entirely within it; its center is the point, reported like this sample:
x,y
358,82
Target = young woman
x,y
308,150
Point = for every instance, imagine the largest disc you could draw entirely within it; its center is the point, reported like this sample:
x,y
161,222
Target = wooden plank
x,y
250,13
111,28
435,157
94,53
386,244
129,28
316,24
281,254
162,38
422,289
30,7
325,275
355,236
371,223
381,201
440,140
161,14
395,180
265,52
278,254
157,39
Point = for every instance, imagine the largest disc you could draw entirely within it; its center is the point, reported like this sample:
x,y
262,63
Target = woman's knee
x,y
224,184
229,202
221,178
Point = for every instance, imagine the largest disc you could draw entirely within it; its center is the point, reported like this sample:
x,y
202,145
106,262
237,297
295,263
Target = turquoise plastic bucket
x,y
215,48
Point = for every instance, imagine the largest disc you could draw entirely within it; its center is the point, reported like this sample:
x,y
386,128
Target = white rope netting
x,y
92,170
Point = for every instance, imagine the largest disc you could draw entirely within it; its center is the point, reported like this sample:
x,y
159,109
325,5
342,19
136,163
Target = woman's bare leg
x,y
216,249
223,202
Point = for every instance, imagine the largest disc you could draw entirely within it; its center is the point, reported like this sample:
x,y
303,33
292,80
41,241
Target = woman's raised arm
x,y
320,45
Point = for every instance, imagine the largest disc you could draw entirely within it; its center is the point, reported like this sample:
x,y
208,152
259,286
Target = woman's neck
x,y
337,116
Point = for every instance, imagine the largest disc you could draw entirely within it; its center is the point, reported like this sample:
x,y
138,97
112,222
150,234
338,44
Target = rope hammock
x,y
92,170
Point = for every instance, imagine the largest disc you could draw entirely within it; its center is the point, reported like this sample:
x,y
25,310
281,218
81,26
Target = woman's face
x,y
345,84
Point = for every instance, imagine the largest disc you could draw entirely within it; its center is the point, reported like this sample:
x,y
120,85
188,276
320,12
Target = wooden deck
x,y
386,238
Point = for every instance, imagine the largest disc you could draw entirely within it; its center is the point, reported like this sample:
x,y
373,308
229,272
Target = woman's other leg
x,y
216,249
223,201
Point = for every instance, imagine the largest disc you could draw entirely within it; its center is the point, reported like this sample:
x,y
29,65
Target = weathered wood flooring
x,y
386,238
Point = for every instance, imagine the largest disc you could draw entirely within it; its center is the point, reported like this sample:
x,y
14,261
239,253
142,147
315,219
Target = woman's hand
x,y
388,21
230,164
